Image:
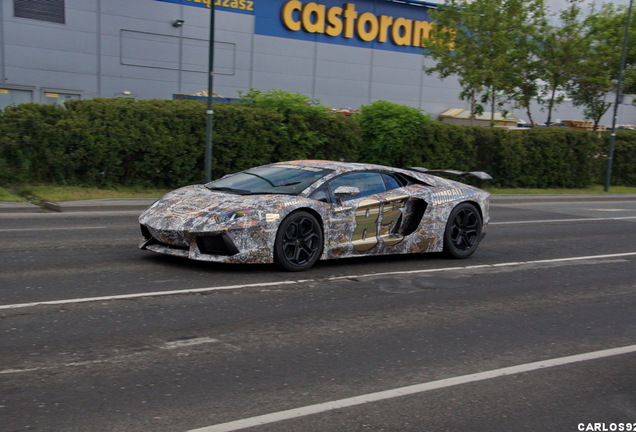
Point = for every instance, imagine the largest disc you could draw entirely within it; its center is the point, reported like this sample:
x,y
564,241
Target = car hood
x,y
196,209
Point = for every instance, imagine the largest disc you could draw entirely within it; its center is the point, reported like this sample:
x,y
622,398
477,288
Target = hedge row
x,y
110,142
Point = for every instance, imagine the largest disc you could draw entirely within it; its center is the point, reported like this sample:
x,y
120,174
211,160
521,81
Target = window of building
x,y
58,98
14,96
43,10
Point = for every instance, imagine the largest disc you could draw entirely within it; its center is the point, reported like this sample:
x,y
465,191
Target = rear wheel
x,y
463,231
299,242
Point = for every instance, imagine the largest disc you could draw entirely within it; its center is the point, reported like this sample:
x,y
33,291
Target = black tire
x,y
299,242
463,231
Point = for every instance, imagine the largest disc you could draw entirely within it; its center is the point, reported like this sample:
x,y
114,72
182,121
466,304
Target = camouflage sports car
x,y
295,213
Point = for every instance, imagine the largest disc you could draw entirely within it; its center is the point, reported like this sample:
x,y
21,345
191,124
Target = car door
x,y
368,222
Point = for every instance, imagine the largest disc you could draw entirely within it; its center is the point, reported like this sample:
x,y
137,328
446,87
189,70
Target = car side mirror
x,y
344,192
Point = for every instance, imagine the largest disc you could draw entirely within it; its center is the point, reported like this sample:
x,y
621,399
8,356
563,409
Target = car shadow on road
x,y
367,264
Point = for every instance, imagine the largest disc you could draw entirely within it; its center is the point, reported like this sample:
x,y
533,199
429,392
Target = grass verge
x,y
6,196
76,193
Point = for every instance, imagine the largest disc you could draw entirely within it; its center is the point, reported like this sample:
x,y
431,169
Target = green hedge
x,y
112,142
624,163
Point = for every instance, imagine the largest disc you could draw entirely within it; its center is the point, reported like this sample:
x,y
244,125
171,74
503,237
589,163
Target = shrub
x,y
624,162
558,157
160,143
31,145
390,133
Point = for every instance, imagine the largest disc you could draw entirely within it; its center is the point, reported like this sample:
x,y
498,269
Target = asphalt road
x,y
535,332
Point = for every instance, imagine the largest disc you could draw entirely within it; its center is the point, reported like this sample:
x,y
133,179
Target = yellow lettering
x,y
225,3
250,5
421,30
350,16
335,23
385,23
401,31
288,12
347,22
367,26
317,12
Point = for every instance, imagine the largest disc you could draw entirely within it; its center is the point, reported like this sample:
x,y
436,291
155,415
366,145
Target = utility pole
x,y
209,113
619,85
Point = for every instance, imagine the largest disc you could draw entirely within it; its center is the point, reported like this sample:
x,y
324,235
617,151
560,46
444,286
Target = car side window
x,y
369,183
321,194
391,182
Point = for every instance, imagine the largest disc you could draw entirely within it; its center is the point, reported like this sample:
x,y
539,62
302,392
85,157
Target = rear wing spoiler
x,y
479,174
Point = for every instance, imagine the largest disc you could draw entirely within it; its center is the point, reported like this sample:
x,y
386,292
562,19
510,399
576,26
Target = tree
x,y
488,44
526,66
597,71
562,48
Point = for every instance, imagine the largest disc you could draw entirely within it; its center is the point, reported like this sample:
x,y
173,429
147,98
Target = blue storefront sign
x,y
239,6
378,24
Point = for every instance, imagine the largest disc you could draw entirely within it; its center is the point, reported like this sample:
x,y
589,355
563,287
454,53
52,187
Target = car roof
x,y
336,165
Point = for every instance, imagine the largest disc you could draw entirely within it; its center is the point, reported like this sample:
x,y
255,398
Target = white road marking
x,y
53,229
410,390
542,221
173,345
299,281
188,343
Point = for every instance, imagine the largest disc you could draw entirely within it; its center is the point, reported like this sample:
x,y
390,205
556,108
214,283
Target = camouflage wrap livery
x,y
331,209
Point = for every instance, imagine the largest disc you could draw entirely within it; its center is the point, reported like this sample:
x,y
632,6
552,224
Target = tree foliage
x,y
510,51
562,48
597,72
389,132
489,45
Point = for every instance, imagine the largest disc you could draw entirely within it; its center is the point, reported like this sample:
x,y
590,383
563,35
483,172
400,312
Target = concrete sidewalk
x,y
139,204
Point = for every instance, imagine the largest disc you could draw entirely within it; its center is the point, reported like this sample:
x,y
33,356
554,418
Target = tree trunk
x,y
550,106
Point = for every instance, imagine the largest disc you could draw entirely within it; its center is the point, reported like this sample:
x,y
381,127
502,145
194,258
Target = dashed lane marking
x,y
300,281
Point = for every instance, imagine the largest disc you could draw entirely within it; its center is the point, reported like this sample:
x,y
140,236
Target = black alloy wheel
x,y
463,231
299,242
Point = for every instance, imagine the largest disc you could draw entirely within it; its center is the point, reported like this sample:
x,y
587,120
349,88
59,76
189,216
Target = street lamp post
x,y
619,85
209,113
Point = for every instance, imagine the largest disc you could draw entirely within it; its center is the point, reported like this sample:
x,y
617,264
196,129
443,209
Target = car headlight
x,y
230,216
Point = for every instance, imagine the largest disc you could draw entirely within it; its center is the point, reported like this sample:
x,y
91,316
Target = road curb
x,y
101,205
510,199
19,207
139,204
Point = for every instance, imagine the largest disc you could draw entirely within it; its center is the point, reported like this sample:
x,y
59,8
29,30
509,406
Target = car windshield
x,y
270,179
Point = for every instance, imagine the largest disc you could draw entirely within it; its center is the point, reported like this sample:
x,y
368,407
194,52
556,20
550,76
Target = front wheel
x,y
463,231
299,242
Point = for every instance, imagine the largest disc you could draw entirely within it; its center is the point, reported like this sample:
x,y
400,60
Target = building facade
x,y
344,54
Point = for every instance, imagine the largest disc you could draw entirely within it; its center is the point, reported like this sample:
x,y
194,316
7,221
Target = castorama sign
x,y
379,24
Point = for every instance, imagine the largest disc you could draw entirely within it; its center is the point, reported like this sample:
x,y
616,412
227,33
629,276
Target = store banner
x,y
378,24
239,6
